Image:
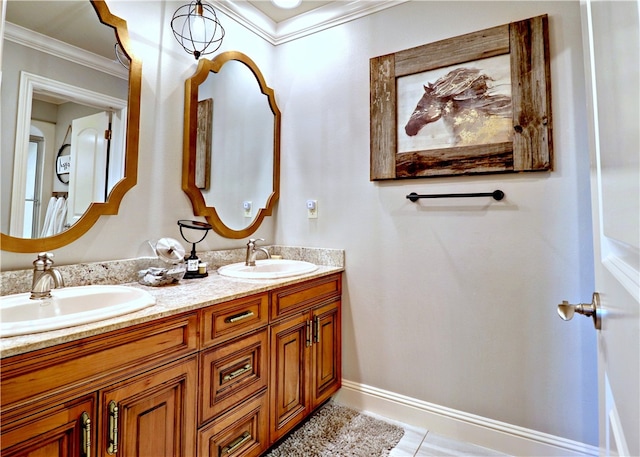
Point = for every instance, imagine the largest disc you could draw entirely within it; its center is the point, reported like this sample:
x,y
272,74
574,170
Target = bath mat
x,y
338,431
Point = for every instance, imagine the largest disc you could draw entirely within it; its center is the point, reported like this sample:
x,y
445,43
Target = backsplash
x,y
126,271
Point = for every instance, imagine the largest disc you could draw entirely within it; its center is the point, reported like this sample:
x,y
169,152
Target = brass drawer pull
x,y
86,434
238,317
246,436
316,329
309,333
113,428
238,372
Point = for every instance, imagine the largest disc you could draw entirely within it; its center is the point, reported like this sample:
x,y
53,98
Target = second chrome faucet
x,y
45,277
252,251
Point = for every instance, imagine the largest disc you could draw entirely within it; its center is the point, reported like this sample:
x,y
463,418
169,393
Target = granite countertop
x,y
171,300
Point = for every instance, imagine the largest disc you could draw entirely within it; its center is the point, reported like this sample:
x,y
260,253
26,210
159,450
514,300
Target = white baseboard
x,y
500,436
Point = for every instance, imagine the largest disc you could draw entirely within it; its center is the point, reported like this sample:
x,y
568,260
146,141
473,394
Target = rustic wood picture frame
x,y
527,44
203,144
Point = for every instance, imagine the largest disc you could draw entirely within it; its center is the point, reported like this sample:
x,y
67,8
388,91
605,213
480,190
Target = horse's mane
x,y
470,85
461,84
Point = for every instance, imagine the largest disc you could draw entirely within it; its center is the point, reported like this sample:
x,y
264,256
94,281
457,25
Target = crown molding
x,y
305,24
43,43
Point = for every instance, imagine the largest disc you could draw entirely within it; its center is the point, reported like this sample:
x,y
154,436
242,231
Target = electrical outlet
x,y
312,209
246,205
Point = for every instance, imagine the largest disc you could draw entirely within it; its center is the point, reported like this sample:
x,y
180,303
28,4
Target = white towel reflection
x,y
55,218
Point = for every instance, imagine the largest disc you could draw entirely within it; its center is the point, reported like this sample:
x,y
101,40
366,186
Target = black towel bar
x,y
496,194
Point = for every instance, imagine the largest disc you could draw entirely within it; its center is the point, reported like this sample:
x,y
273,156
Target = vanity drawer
x,y
242,432
289,300
231,373
227,320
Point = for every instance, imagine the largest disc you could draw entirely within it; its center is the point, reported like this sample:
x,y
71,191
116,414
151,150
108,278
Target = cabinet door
x,y
152,414
289,392
326,365
62,431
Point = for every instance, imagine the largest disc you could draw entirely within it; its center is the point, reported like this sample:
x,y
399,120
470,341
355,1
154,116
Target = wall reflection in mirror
x,y
61,85
242,147
232,152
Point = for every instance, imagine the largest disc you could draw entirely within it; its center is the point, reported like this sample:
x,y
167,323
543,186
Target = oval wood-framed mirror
x,y
130,160
198,172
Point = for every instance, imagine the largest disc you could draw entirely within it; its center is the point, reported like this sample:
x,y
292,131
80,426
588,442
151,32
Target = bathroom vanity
x,y
226,373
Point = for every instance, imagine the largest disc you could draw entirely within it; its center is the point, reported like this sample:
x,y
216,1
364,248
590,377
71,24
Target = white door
x,y
88,177
612,54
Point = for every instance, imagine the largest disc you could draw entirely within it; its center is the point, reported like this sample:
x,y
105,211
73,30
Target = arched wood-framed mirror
x,y
129,140
231,158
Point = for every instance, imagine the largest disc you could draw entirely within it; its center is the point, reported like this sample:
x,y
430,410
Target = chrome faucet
x,y
252,251
45,277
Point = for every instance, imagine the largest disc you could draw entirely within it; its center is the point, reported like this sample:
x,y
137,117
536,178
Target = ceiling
x,y
279,26
68,20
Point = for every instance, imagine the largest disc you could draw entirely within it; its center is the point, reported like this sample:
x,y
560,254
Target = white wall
x,y
450,302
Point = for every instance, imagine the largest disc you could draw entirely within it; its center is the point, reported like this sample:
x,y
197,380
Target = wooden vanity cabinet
x,y
306,364
226,380
257,385
234,370
56,401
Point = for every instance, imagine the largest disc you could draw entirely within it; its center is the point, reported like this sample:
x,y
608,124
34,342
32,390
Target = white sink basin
x,y
268,269
69,306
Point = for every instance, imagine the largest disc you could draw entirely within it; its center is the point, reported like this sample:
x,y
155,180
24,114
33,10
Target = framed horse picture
x,y
474,104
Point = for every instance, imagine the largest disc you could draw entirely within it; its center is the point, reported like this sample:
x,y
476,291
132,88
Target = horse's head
x,y
428,109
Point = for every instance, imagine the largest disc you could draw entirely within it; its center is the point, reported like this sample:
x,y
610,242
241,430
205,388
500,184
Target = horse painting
x,y
469,107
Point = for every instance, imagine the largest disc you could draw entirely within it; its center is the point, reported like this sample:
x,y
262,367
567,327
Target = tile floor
x,y
418,442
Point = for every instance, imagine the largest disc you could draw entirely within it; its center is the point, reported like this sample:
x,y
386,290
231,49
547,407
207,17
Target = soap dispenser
x,y
193,262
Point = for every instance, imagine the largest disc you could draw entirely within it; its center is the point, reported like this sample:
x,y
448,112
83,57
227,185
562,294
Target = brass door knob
x,y
566,310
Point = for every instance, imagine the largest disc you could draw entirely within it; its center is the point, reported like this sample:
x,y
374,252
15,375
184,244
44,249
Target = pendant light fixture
x,y
197,28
